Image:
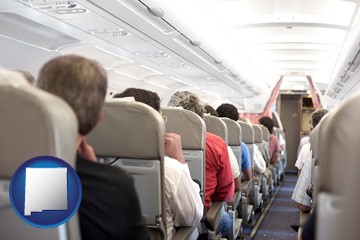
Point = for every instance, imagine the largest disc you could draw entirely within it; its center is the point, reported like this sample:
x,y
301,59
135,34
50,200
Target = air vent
x,y
345,79
153,54
179,65
55,6
337,89
107,32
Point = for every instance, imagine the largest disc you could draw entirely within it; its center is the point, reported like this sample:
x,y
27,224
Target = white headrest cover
x,y
188,124
33,123
126,129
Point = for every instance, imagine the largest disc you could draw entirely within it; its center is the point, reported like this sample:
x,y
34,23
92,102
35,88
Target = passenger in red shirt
x,y
219,179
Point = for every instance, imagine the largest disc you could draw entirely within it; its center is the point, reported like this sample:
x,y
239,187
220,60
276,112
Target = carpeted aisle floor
x,y
282,212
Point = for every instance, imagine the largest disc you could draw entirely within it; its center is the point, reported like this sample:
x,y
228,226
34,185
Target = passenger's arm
x,y
85,150
275,158
173,147
247,173
304,208
237,184
188,203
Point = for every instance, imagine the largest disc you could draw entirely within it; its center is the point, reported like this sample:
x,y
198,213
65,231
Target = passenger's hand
x,y
86,151
173,147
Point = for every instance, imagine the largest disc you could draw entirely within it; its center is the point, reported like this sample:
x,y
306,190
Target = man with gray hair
x,y
219,178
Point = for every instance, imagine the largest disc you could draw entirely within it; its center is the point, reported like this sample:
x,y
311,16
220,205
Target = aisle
x,y
276,224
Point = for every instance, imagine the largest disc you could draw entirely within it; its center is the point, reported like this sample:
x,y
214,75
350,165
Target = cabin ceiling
x,y
223,50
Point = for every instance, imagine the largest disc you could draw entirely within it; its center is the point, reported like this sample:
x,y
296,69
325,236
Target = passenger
x,y
274,146
210,110
230,111
233,160
109,207
184,206
219,180
304,163
305,139
27,75
305,153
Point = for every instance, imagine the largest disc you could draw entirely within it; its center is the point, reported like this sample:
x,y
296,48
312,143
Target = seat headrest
x,y
339,149
247,132
126,129
33,123
188,124
234,132
265,133
216,126
257,134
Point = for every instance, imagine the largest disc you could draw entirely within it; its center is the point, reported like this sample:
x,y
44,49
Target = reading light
x,y
157,12
195,43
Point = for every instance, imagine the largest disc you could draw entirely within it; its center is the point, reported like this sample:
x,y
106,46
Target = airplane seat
x,y
234,142
268,173
261,177
192,130
337,212
283,160
218,127
131,136
247,200
32,123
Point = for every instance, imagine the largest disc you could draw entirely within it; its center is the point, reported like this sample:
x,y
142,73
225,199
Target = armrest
x,y
234,201
214,213
186,233
246,187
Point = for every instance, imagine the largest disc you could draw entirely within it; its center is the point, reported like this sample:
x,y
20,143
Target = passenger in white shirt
x,y
304,156
235,169
183,203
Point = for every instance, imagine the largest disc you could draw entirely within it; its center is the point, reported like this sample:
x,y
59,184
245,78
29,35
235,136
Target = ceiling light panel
x,y
166,82
136,71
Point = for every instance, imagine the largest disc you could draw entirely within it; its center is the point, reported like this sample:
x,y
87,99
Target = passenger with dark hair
x,y
219,178
109,207
230,111
305,152
274,145
183,202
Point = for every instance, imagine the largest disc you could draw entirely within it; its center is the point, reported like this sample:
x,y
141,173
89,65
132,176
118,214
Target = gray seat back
x,y
32,123
248,138
216,126
132,135
234,138
338,214
266,139
192,130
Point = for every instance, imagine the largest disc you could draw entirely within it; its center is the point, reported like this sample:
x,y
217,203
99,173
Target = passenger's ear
x,y
100,116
